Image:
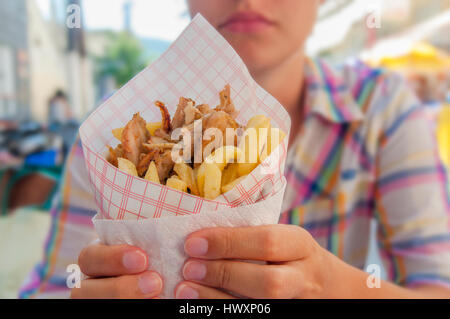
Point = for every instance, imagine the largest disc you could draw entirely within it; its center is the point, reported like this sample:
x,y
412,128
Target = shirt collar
x,y
327,95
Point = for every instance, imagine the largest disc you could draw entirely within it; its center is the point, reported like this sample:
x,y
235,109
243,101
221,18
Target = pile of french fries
x,y
221,170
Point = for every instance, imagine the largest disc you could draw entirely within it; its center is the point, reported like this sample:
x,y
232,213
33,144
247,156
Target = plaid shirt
x,y
366,151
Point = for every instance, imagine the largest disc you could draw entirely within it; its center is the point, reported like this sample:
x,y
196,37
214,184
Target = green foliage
x,y
124,58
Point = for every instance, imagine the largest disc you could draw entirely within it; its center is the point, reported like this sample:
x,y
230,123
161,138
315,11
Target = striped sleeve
x,y
411,194
71,229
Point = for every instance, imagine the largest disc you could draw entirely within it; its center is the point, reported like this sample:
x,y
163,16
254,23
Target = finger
x,y
246,279
276,243
190,290
144,286
108,261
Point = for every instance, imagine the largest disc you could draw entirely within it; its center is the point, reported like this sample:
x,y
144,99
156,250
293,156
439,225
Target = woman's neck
x,y
285,83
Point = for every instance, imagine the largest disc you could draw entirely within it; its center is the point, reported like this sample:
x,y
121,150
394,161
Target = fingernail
x,y
194,270
134,261
186,292
196,246
149,283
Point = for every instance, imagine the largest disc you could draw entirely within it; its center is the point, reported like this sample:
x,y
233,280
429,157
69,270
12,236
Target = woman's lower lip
x,y
255,26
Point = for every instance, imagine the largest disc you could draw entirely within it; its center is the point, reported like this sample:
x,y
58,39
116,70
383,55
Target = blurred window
x,y
7,82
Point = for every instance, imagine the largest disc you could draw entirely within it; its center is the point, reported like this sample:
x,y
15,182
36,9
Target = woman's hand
x,y
116,272
297,267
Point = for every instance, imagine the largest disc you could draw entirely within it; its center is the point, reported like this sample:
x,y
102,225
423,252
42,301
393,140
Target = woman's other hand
x,y
116,272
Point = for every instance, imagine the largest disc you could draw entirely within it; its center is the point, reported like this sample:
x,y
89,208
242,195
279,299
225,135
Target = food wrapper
x,y
154,217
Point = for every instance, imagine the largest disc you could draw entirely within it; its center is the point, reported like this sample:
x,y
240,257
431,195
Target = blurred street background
x,y
53,73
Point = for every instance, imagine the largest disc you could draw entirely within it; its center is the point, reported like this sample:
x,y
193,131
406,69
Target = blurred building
x,y
48,68
58,61
14,60
38,56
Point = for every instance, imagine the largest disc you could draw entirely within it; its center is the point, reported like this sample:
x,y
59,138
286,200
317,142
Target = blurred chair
x,y
31,186
29,176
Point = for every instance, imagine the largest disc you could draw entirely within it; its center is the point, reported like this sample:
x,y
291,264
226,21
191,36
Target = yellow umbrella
x,y
422,57
443,134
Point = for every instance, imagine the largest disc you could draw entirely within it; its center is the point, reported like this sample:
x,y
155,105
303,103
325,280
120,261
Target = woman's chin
x,y
252,55
256,61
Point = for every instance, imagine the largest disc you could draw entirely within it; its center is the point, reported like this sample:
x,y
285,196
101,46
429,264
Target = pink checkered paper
x,y
154,217
197,65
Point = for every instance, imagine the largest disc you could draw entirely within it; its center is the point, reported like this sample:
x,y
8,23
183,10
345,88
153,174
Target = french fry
x,y
176,183
220,158
252,143
228,187
230,173
117,133
246,168
196,172
126,166
186,174
249,150
152,173
223,155
274,138
258,121
152,127
200,177
213,183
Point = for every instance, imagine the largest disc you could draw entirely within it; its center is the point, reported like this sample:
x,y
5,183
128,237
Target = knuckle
x,y
313,290
311,244
83,260
274,284
227,241
270,243
224,274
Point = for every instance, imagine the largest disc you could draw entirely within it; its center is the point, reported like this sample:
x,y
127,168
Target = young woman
x,y
361,149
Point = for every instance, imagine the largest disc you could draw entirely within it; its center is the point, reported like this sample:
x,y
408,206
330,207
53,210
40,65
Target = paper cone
x,y
156,218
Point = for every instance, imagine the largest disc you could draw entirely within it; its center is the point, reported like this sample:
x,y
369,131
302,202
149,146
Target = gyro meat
x,y
134,135
114,154
204,109
165,115
164,164
157,140
144,162
191,114
226,104
161,154
161,146
219,120
179,116
160,134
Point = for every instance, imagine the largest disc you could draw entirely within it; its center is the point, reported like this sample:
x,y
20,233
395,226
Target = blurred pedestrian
x,y
59,111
